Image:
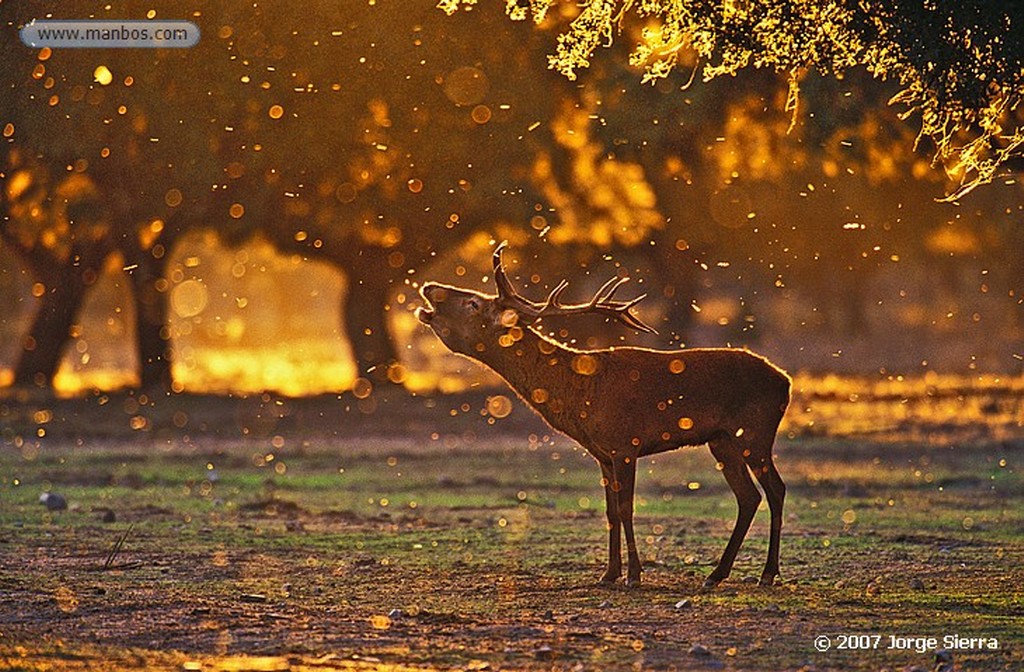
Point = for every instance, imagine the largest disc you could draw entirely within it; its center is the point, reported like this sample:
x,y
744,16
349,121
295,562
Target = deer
x,y
622,403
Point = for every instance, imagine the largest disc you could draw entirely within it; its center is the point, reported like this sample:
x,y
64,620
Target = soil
x,y
384,544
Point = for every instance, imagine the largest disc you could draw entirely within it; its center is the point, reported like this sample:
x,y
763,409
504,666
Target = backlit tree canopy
x,y
958,63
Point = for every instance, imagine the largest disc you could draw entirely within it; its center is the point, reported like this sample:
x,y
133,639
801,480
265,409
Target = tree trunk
x,y
365,315
43,346
66,287
151,331
364,311
676,271
365,318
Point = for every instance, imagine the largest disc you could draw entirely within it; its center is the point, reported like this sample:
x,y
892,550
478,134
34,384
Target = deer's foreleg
x,y
625,470
611,500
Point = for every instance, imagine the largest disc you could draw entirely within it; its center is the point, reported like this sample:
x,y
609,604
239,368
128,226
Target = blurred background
x,y
257,212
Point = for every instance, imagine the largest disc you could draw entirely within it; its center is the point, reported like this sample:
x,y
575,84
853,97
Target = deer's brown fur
x,y
624,403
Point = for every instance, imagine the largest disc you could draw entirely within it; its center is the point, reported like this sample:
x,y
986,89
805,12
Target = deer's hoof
x,y
608,579
767,580
633,582
711,583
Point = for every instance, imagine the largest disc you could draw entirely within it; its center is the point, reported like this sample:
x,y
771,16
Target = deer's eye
x,y
473,304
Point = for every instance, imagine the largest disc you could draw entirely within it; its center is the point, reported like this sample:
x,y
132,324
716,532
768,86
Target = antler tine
x,y
632,320
601,302
622,308
608,289
507,291
555,295
501,281
632,302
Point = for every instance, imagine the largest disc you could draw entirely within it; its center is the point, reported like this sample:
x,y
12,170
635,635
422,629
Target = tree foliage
x,y
959,64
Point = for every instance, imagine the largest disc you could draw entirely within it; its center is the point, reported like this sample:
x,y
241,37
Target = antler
x,y
601,304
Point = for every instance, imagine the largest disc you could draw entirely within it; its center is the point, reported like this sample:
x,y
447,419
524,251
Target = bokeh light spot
x,y
189,298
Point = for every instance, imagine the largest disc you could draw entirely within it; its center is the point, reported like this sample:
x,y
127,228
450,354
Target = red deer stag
x,y
623,403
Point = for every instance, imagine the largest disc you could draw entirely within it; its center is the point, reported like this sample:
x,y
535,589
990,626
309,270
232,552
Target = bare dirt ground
x,y
333,534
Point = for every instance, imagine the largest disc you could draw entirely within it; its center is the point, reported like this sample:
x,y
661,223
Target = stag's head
x,y
470,322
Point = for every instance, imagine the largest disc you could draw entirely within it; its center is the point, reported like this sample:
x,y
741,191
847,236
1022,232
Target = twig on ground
x,y
109,563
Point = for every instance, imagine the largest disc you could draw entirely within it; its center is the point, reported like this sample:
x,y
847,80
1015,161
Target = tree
x,y
84,125
371,164
64,242
376,139
959,65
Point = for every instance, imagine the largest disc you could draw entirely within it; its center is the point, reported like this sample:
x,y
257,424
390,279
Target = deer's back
x,y
732,374
665,399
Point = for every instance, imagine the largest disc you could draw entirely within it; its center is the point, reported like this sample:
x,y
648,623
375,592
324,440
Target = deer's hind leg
x,y
775,490
730,457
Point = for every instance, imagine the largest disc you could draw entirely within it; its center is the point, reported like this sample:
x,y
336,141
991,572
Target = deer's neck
x,y
547,375
520,361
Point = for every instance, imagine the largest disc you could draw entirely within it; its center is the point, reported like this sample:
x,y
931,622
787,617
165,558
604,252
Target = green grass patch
x,y
379,551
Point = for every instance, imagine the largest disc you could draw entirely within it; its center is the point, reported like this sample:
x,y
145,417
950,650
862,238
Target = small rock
x,y
549,615
917,584
544,653
605,605
109,516
53,501
684,604
700,651
395,613
944,661
252,597
524,632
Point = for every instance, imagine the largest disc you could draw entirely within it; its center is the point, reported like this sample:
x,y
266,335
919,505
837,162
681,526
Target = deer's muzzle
x,y
424,314
428,292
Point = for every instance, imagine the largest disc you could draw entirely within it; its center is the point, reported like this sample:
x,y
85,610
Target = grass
x,y
358,541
